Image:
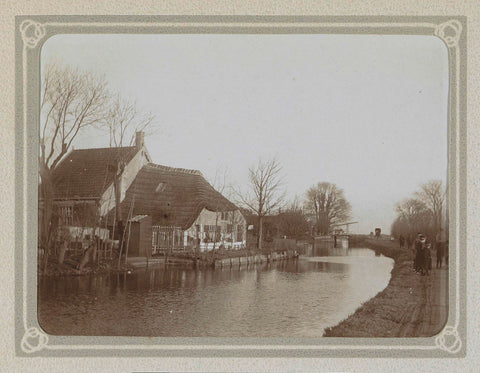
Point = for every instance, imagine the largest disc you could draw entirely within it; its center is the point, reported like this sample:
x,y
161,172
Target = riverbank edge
x,y
383,315
238,258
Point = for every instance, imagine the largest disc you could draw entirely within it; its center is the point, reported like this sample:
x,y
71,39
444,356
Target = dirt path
x,y
437,316
427,317
410,306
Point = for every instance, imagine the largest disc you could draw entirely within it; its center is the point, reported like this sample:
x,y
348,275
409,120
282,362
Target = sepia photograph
x,y
243,185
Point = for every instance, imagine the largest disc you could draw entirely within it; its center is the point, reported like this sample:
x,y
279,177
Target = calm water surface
x,y
291,298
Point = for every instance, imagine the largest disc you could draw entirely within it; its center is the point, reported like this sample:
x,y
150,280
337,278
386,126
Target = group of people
x,y
423,257
422,249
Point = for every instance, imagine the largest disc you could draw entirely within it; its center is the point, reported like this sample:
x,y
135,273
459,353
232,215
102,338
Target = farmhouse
x,y
87,183
181,210
119,193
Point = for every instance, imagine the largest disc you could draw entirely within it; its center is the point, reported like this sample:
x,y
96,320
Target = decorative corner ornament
x,y
449,32
33,340
32,32
452,346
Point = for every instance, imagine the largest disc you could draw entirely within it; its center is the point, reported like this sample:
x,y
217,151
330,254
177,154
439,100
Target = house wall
x,y
206,217
107,201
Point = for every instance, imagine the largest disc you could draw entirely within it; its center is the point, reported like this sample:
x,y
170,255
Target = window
x,y
67,215
212,228
161,187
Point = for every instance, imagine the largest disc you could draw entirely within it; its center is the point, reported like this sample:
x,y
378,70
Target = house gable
x,y
107,201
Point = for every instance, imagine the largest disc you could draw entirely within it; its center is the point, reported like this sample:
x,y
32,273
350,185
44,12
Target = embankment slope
x,y
410,306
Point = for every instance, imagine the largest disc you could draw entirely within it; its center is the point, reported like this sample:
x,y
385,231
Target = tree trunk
x,y
260,232
47,225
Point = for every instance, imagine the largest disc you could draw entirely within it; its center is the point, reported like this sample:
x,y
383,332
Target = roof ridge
x,y
175,169
107,147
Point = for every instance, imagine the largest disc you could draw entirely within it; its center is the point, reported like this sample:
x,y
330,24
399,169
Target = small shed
x,y
140,240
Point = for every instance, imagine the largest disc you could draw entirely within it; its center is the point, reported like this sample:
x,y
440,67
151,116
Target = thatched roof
x,y
86,173
172,196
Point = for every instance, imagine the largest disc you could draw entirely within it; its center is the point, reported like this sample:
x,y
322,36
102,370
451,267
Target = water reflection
x,y
289,298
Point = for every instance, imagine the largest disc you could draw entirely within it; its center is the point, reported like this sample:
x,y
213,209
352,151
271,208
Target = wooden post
x,y
128,240
129,217
113,231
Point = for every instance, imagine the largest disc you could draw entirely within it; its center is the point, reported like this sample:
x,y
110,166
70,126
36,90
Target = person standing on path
x,y
418,263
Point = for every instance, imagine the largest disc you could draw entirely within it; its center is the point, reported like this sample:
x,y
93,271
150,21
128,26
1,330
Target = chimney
x,y
139,140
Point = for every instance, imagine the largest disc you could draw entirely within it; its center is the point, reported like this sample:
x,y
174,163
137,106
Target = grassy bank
x,y
388,313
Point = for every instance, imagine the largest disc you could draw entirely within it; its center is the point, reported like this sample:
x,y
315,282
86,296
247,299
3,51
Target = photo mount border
x,y
33,31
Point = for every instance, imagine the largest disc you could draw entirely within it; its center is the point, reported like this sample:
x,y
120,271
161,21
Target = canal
x,y
298,297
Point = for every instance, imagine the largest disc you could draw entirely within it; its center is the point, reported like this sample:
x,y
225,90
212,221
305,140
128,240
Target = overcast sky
x,y
366,112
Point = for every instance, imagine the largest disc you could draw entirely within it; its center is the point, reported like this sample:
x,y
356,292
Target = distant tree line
x,y
424,213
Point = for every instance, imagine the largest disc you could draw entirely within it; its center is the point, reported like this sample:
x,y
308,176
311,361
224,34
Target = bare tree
x,y
295,205
432,194
71,100
415,214
265,194
124,120
328,206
